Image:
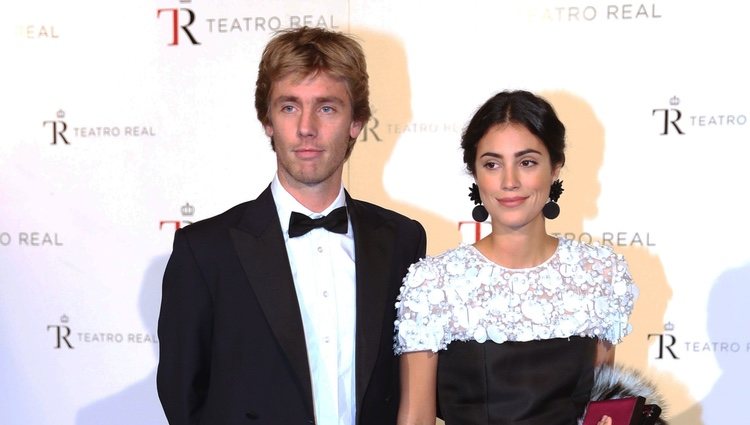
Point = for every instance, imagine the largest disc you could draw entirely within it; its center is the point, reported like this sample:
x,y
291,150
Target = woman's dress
x,y
516,346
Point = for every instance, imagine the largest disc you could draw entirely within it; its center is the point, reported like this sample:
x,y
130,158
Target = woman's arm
x,y
605,353
418,388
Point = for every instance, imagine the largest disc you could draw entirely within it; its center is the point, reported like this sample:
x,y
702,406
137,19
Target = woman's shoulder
x,y
432,270
460,254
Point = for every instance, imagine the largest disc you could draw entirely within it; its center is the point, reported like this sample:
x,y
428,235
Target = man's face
x,y
310,121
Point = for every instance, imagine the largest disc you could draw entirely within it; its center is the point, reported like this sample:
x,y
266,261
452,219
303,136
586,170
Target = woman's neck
x,y
519,249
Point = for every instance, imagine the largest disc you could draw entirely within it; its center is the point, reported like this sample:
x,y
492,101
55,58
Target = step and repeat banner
x,y
123,121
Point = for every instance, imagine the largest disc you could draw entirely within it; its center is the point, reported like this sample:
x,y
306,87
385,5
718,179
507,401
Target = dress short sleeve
x,y
421,318
618,304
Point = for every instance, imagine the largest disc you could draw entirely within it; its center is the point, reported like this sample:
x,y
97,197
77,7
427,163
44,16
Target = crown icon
x,y
669,326
674,101
187,209
64,318
61,114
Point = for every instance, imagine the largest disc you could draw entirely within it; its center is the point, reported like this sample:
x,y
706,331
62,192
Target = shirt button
x,y
320,249
326,339
325,294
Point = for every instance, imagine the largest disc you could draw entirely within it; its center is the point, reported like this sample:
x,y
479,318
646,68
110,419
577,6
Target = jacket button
x,y
251,415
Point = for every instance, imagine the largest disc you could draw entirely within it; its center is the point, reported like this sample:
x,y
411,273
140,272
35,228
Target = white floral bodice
x,y
582,290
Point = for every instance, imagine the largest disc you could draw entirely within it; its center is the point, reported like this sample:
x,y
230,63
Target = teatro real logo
x,y
666,342
182,23
676,120
64,337
668,346
670,117
610,12
180,20
370,132
64,134
59,127
61,333
36,32
186,211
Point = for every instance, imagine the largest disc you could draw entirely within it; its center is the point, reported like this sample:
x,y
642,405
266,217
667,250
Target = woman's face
x,y
514,174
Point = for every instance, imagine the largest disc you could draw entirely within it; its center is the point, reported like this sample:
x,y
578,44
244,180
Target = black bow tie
x,y
337,221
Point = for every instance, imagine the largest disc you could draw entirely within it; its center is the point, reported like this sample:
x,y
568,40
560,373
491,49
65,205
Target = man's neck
x,y
316,197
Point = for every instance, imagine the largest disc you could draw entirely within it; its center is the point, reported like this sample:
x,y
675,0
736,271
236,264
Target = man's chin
x,y
311,179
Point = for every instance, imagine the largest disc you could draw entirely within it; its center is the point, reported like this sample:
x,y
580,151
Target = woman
x,y
510,329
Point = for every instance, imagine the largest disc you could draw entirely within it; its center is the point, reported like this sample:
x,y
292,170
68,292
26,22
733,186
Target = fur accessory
x,y
613,382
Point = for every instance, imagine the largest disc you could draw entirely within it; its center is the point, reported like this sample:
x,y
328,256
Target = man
x,y
265,317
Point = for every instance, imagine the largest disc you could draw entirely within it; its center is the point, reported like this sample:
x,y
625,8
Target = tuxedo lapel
x,y
373,244
262,252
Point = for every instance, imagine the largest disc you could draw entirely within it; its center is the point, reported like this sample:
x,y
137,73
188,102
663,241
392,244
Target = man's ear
x,y
269,129
354,129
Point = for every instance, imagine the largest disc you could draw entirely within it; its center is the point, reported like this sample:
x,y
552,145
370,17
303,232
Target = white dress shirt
x,y
322,264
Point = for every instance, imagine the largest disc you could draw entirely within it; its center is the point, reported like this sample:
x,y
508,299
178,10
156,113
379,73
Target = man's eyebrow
x,y
330,99
288,98
322,99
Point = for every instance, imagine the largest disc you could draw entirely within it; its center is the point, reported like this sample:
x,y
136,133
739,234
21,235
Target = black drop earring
x,y
479,213
551,210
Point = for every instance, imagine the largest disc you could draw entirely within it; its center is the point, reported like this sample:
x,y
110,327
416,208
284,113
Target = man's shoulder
x,y
234,215
385,213
227,219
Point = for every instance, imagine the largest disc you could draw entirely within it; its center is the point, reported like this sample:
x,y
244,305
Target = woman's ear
x,y
556,171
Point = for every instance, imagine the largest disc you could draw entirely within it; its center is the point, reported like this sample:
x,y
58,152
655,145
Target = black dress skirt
x,y
545,382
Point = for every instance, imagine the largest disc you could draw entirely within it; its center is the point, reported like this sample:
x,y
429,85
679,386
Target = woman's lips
x,y
512,202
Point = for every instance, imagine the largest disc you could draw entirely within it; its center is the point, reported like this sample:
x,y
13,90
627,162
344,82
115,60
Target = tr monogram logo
x,y
666,342
178,15
62,333
187,212
58,128
370,128
671,117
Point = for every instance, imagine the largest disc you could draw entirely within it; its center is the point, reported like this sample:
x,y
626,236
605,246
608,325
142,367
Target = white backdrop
x,y
124,121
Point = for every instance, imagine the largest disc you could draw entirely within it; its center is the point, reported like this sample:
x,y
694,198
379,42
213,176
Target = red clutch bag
x,y
623,411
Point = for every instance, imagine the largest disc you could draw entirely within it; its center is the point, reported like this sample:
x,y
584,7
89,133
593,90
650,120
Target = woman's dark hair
x,y
517,107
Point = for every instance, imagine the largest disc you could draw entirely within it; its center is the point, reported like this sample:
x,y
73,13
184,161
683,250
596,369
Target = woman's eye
x,y
528,163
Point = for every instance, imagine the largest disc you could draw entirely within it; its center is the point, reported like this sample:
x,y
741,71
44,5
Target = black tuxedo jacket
x,y
232,346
